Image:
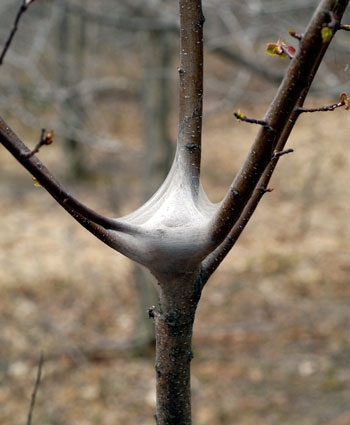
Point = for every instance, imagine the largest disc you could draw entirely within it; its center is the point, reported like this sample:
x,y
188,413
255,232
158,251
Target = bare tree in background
x,y
70,73
179,235
236,33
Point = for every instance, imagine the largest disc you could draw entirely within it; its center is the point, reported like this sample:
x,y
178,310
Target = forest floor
x,y
272,333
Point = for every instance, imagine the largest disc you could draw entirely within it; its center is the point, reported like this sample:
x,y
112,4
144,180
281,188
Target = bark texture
x,y
173,319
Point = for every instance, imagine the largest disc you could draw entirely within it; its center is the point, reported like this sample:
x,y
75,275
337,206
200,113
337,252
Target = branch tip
x,y
294,34
280,49
344,100
287,51
266,189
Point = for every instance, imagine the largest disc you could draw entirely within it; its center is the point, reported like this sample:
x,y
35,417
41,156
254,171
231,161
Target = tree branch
x,y
24,6
90,219
295,84
35,390
213,260
241,117
45,139
191,88
327,108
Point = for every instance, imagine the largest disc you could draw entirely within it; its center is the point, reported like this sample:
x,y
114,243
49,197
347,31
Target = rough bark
x,y
173,320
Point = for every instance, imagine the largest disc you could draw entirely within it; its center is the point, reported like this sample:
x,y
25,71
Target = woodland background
x,y
272,334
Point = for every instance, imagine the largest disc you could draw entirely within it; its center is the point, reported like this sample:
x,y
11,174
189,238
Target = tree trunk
x,y
173,320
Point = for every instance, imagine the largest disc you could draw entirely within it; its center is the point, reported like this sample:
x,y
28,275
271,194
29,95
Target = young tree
x,y
179,235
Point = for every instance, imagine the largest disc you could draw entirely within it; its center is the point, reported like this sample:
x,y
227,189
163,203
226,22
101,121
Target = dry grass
x,y
272,341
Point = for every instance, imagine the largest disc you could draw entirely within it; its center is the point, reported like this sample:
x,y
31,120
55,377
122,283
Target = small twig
x,y
278,154
265,189
336,25
294,34
322,108
243,118
96,223
280,49
24,6
35,390
45,139
286,50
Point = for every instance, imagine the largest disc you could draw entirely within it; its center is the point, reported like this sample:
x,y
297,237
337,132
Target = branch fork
x,y
45,140
178,228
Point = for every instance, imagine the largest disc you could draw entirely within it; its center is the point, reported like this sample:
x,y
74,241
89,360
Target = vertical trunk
x,y
173,360
72,43
174,319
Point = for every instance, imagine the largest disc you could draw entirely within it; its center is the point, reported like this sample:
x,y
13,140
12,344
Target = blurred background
x,y
272,333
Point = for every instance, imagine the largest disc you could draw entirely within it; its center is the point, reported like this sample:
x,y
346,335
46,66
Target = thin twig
x,y
287,52
45,139
322,108
35,390
243,118
83,214
265,189
335,23
278,154
294,34
24,6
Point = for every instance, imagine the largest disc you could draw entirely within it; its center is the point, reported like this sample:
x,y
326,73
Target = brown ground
x,y
272,334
